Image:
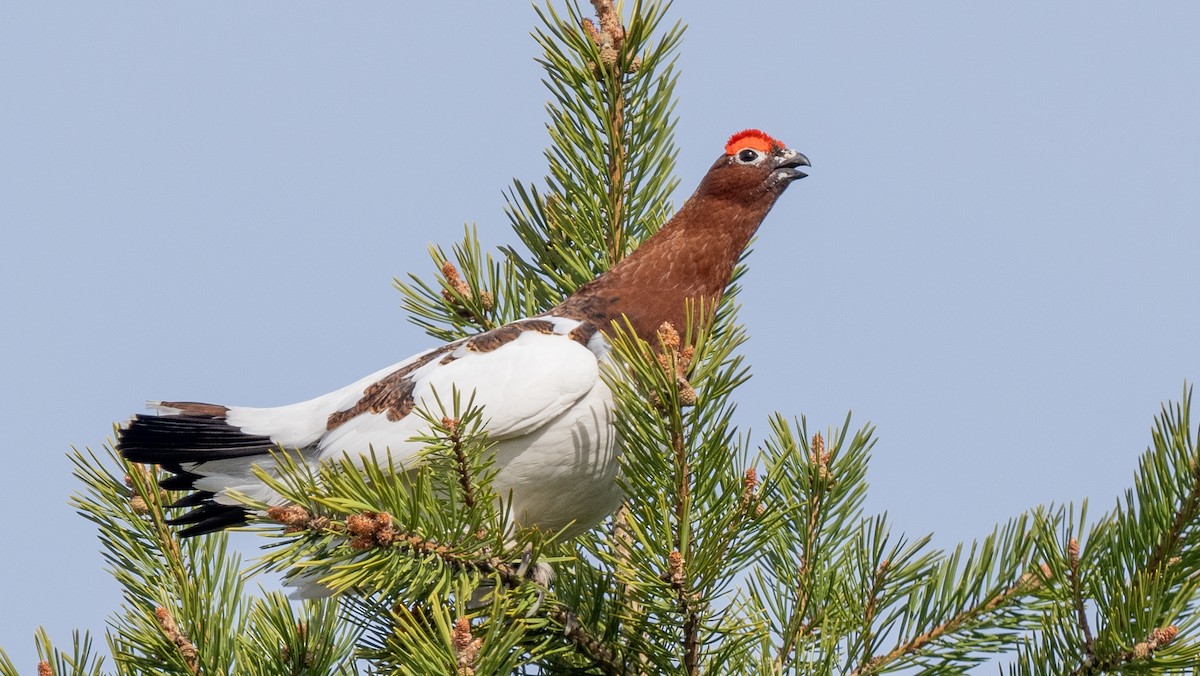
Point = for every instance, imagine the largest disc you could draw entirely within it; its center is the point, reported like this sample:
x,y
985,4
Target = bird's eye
x,y
746,156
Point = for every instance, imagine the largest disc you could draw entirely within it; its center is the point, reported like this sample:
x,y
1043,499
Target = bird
x,y
548,414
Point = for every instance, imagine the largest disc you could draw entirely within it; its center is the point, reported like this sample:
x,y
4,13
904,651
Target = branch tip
x,y
466,647
675,575
370,529
171,630
1157,639
295,518
675,362
138,504
819,457
608,37
454,281
751,502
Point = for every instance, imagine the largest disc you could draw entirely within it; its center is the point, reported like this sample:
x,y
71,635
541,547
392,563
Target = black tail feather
x,y
194,499
180,481
209,518
174,440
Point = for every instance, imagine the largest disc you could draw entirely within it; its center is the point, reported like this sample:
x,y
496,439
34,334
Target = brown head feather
x,y
692,257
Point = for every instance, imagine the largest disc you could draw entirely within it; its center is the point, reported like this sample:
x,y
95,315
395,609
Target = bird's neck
x,y
690,260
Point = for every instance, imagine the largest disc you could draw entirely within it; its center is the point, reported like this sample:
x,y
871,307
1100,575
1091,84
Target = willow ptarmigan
x,y
547,410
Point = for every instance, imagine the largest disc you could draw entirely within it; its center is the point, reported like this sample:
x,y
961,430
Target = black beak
x,y
788,163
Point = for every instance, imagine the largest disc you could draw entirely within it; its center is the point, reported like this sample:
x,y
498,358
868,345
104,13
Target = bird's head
x,y
754,164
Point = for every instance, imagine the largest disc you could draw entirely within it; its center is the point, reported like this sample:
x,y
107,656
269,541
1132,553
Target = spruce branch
x,y
448,634
81,660
1140,652
436,580
611,165
7,668
973,602
586,642
389,538
819,473
371,530
1076,590
976,615
344,519
297,638
817,515
185,609
1136,577
170,630
693,512
609,39
669,357
453,428
157,572
1172,435
472,292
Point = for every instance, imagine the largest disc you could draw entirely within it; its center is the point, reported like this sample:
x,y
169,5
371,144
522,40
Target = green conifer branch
x,y
1125,590
719,563
692,503
611,174
185,609
81,661
611,162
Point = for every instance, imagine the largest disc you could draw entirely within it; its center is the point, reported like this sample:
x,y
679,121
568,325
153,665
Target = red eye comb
x,y
750,138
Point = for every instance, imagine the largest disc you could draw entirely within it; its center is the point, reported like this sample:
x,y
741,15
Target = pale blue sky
x,y
993,259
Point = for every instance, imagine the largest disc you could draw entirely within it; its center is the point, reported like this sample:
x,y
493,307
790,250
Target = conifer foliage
x,y
724,559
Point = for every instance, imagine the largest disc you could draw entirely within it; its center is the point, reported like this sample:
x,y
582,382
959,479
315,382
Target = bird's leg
x,y
526,558
539,573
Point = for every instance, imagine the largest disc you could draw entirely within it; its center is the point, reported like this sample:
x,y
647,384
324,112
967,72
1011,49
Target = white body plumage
x,y
546,410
